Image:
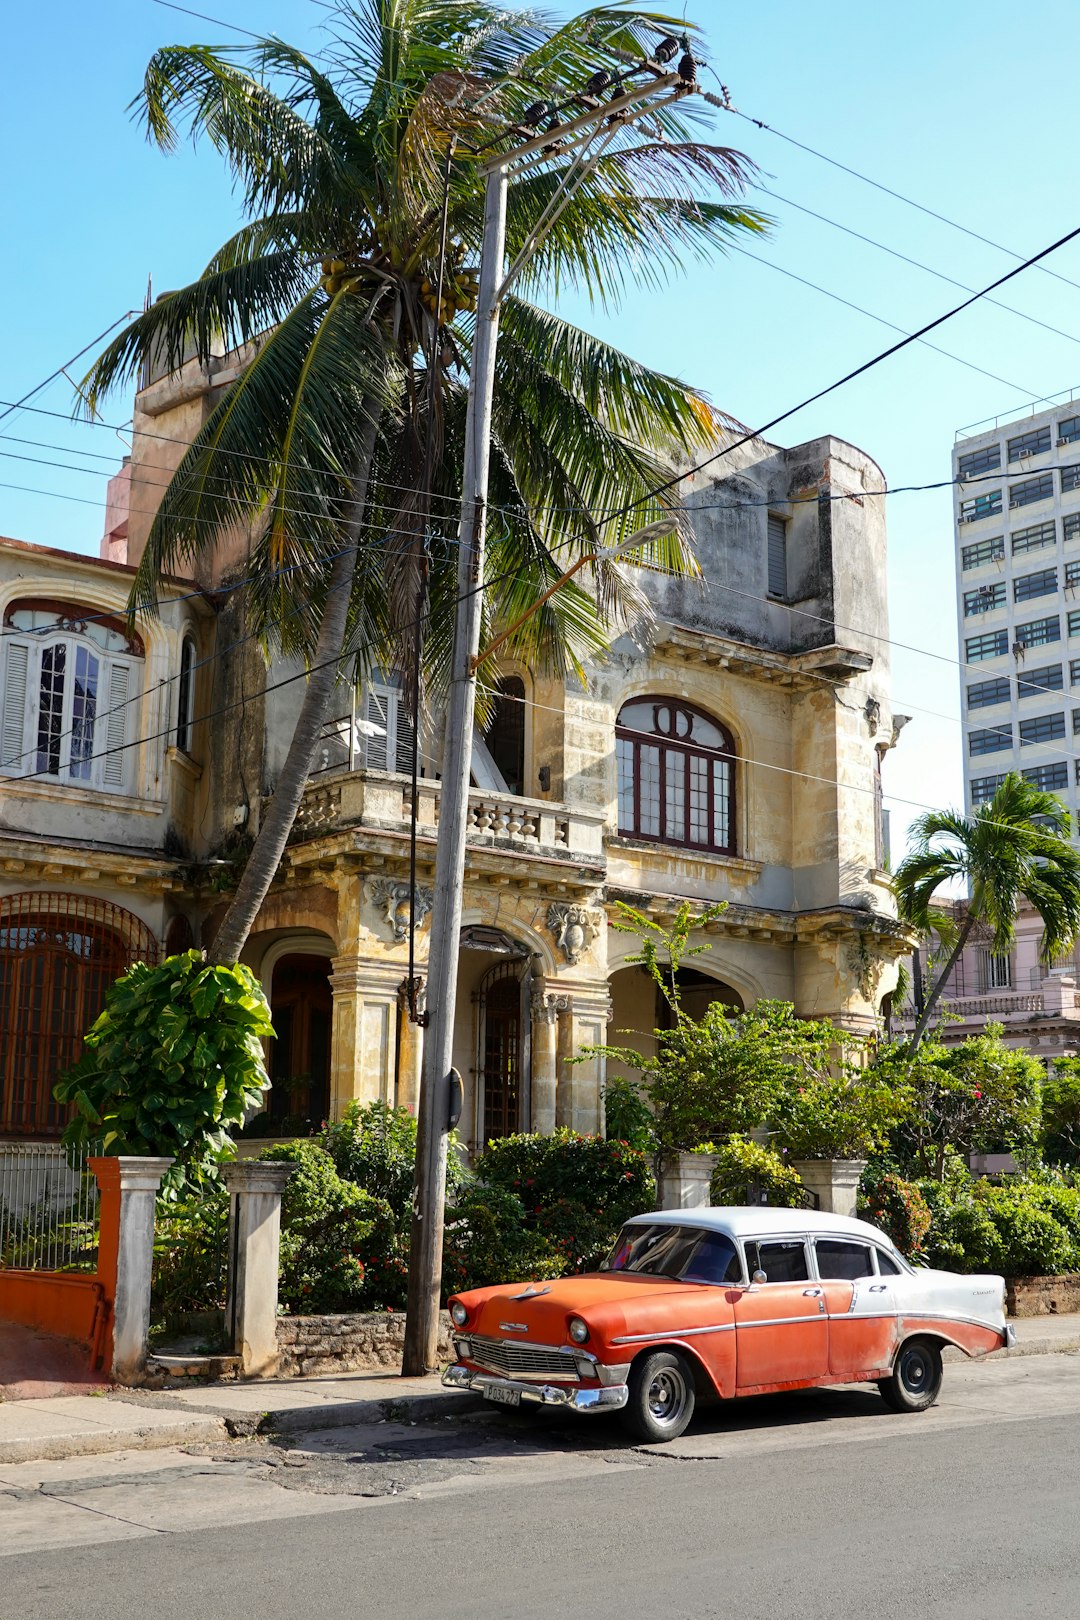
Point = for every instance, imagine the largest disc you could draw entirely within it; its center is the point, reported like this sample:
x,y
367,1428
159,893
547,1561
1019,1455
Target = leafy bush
x,y
838,1116
174,1060
627,1116
1018,1226
744,1168
575,1190
488,1239
190,1255
339,1246
1061,1112
897,1206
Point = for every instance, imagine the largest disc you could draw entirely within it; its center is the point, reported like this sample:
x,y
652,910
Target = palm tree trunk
x,y
280,815
935,994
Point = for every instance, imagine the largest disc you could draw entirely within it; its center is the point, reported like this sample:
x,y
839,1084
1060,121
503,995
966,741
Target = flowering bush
x,y
375,1147
897,1206
489,1239
749,1172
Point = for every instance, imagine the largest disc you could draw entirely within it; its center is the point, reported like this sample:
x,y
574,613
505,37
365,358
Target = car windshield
x,y
683,1252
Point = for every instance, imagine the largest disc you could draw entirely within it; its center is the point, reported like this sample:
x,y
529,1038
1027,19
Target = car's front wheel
x,y
661,1400
916,1377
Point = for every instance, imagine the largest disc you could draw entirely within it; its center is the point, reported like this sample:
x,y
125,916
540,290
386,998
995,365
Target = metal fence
x,y
48,1209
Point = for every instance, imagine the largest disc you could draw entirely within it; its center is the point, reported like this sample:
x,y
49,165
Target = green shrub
x,y
174,1060
627,1116
744,1169
838,1116
1061,1112
374,1146
489,1239
897,1206
190,1255
339,1246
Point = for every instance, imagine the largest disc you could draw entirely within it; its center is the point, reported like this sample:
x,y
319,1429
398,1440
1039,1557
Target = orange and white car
x,y
713,1303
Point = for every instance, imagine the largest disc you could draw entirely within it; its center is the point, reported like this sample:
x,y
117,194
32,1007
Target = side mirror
x,y
759,1277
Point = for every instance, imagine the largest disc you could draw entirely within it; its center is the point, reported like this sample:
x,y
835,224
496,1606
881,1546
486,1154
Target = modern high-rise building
x,y
1017,520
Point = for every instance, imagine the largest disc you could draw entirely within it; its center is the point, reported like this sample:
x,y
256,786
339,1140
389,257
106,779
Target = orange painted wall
x,y
55,1302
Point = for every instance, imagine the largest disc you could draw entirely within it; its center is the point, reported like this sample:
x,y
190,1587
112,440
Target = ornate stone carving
x,y
392,899
865,969
574,927
547,1005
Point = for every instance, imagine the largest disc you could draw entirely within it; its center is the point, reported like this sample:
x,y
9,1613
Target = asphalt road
x,y
798,1507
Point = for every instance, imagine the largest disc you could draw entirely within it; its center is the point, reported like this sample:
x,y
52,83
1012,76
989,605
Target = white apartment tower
x,y
1017,519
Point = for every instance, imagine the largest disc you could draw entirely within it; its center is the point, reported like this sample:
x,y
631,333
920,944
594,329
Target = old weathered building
x,y
729,751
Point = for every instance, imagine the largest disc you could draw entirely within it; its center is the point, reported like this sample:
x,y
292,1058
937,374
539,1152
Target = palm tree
x,y
1014,848
339,448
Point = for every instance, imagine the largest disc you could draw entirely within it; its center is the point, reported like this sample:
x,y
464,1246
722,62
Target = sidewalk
x,y
136,1420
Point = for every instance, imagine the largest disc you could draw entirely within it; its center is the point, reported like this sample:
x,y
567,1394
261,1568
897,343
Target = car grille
x,y
528,1361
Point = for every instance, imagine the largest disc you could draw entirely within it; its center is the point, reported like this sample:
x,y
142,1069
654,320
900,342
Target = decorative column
x,y
364,1031
546,1008
128,1187
590,1019
255,1188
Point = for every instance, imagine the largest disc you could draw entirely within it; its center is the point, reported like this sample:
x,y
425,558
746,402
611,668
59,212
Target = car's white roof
x,y
753,1220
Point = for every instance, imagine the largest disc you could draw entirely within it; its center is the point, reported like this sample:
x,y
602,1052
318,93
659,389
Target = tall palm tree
x,y
1014,848
339,448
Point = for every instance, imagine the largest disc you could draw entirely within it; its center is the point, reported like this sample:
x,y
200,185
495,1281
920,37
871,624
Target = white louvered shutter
x,y
385,706
777,556
112,736
13,731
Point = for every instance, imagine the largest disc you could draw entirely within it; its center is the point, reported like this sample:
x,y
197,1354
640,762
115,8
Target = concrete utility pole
x,y
433,1123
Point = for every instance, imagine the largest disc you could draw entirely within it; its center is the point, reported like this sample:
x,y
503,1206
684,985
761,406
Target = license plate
x,y
503,1394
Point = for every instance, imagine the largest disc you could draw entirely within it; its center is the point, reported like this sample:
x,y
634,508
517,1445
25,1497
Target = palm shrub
x,y
339,448
172,1064
1014,848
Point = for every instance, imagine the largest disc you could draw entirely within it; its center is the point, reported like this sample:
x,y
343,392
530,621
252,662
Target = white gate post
x,y
255,1187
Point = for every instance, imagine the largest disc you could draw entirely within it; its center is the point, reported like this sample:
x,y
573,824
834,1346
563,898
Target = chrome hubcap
x,y
667,1396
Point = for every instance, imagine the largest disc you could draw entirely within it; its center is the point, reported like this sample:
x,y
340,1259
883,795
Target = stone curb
x,y
344,1414
55,1448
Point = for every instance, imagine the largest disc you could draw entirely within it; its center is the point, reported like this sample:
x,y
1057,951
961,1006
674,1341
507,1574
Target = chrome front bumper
x,y
607,1398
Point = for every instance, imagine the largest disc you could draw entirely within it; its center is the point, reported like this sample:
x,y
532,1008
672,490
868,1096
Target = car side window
x,y
714,1260
887,1265
839,1261
781,1261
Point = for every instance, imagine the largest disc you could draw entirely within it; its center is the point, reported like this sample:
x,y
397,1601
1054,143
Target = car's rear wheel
x,y
916,1377
661,1400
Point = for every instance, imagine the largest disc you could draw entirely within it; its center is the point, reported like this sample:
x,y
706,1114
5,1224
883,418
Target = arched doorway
x,y
59,953
302,1007
639,1009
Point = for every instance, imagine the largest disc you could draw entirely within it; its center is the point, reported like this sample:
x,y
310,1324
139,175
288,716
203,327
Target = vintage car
x,y
712,1303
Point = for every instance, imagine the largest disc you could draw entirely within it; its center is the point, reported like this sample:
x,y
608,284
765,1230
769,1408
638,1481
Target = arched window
x,y
185,696
69,677
505,736
676,775
59,953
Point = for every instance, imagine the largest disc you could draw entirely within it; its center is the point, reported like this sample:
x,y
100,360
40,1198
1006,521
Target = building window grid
x,y
1049,778
676,791
1074,622
1029,444
1034,682
981,506
1039,632
1034,538
1072,575
982,552
983,788
1068,431
1032,489
1042,728
992,644
1029,586
994,740
984,694
1070,478
988,459
984,598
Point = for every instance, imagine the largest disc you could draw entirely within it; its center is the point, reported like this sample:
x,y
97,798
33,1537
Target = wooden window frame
x,y
665,745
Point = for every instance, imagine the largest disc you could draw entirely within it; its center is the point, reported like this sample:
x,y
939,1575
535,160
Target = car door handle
x,y
878,1288
811,1293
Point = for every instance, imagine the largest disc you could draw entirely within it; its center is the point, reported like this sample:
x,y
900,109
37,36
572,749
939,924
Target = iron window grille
x,y
983,551
676,768
1032,489
988,459
991,741
1035,681
984,694
1029,444
984,598
992,644
1042,728
185,699
1039,632
1049,778
1028,586
981,506
1032,539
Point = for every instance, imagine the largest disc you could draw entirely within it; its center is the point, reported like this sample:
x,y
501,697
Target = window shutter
x,y
384,706
114,765
16,674
777,556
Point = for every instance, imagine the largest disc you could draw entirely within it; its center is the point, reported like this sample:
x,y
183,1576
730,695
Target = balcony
x,y
1058,998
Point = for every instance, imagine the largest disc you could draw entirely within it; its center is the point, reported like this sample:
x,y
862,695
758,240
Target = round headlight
x,y
458,1314
579,1331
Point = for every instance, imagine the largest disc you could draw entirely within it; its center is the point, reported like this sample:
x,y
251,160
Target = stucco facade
x,y
729,750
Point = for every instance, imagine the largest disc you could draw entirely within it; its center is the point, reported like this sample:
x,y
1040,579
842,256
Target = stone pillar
x,y
685,1181
579,1096
364,1031
546,1009
255,1187
410,1054
835,1182
128,1186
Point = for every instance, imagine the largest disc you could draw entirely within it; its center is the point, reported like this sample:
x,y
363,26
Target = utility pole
x,y
433,1123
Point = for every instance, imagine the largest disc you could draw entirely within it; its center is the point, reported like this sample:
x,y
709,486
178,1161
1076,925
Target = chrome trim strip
x,y
681,1333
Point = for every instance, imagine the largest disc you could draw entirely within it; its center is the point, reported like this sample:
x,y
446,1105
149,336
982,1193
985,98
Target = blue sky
x,y
968,108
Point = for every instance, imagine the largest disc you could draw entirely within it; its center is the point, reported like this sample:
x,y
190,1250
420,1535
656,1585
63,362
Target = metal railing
x,y
48,1209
